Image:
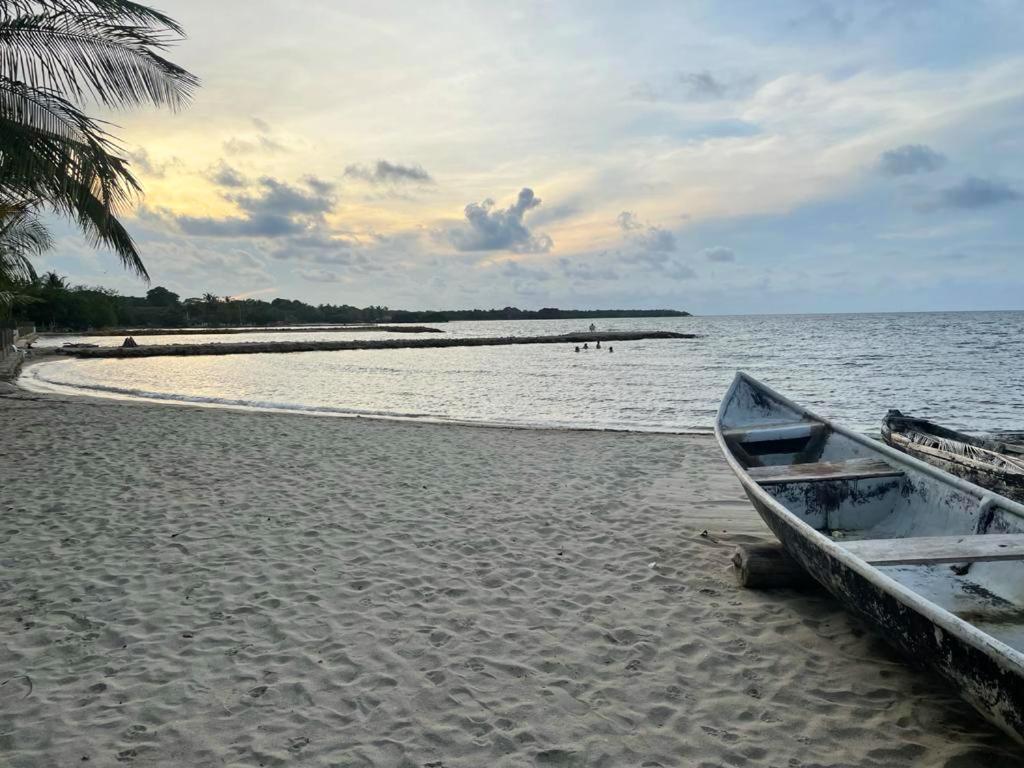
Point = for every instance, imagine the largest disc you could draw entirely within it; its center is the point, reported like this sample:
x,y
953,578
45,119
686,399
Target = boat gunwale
x,y
947,621
909,446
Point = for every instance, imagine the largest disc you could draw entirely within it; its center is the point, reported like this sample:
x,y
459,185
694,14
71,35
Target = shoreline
x,y
193,587
36,386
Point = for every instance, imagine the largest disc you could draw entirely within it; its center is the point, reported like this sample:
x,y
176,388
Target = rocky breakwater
x,y
263,347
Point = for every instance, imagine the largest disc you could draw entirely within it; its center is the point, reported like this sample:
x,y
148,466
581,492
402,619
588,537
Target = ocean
x,y
960,368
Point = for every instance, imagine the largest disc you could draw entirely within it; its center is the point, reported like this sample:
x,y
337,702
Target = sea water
x,y
962,369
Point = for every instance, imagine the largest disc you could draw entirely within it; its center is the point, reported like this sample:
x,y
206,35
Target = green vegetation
x,y
514,313
55,57
55,305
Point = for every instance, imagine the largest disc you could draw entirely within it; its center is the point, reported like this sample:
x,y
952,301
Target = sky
x,y
718,157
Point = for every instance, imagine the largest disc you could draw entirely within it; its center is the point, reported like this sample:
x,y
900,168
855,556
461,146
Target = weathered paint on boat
x,y
992,464
967,621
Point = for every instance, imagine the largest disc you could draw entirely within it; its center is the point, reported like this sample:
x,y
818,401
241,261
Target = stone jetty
x,y
253,329
260,347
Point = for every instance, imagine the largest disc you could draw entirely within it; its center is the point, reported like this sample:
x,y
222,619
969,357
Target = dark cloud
x,y
488,229
279,197
974,192
655,239
719,253
647,237
702,85
389,173
274,209
319,186
909,159
627,221
223,175
140,159
261,125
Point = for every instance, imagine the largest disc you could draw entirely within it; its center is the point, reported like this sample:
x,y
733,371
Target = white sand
x,y
193,587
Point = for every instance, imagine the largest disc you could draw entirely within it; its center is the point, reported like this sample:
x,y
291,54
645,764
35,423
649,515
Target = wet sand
x,y
186,586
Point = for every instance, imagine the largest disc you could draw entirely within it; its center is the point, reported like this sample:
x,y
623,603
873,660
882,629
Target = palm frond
x,y
79,179
119,11
89,54
22,234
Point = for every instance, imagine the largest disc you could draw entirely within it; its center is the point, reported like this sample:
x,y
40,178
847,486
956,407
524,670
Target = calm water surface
x,y
963,369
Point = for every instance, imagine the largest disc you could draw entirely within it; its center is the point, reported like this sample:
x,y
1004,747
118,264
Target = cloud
x,y
719,253
627,221
223,175
822,14
702,85
647,237
973,193
488,229
237,146
584,272
909,159
695,86
679,271
261,142
389,173
517,271
320,276
140,159
274,209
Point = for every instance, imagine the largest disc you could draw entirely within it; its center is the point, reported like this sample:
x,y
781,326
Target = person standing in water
x,y
598,345
593,327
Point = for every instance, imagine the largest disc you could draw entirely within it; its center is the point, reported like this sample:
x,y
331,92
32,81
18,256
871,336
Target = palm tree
x,y
51,281
21,235
56,55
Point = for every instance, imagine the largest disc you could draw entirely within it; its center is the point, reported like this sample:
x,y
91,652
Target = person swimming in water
x,y
585,345
577,347
611,349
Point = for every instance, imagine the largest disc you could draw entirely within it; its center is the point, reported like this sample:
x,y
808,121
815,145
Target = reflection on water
x,y
962,369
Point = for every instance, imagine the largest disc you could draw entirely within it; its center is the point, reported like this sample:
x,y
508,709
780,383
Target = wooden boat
x,y
994,464
935,563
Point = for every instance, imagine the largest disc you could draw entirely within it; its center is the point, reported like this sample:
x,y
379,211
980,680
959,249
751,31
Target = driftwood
x,y
243,348
767,566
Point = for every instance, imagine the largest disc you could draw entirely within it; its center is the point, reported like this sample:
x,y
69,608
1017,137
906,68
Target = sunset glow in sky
x,y
720,157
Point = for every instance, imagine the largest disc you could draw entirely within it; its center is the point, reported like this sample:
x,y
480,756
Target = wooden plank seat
x,y
929,550
765,433
851,469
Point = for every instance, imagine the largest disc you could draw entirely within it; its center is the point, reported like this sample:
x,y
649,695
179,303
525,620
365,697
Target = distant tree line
x,y
514,313
53,304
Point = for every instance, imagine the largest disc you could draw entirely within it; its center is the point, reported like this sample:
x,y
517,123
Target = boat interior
x,y
961,550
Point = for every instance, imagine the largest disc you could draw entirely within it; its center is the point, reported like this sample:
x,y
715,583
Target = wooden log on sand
x,y
767,566
244,348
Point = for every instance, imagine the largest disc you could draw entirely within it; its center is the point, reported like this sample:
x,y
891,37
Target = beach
x,y
187,586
